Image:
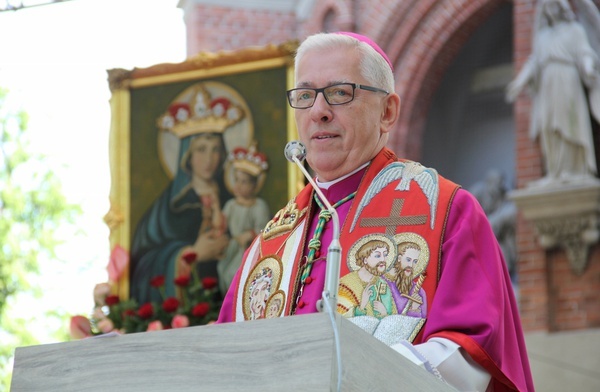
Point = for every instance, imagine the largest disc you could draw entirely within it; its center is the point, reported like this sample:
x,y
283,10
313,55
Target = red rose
x,y
146,311
128,313
189,257
209,282
112,300
201,309
157,281
170,305
182,281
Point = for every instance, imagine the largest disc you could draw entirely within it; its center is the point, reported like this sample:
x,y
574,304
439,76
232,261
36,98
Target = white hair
x,y
373,67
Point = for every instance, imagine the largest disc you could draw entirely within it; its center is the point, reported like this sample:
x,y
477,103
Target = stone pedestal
x,y
565,214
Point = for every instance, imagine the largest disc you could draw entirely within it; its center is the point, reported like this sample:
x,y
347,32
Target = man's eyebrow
x,y
304,84
309,84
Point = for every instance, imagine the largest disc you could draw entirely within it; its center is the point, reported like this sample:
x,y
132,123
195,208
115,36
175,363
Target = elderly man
x,y
345,107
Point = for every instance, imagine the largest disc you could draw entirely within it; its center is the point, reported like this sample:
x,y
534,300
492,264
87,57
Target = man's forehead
x,y
322,68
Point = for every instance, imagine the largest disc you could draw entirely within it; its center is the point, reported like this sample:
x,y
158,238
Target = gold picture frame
x,y
140,166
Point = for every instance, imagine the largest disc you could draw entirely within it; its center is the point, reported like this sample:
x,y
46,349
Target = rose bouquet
x,y
197,303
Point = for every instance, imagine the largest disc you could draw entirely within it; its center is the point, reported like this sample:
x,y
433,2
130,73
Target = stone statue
x,y
563,73
502,214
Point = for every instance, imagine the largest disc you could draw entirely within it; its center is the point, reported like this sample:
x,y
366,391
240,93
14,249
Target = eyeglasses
x,y
336,94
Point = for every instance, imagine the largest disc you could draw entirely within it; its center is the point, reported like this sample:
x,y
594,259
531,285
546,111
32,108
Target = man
x,y
413,297
365,291
345,108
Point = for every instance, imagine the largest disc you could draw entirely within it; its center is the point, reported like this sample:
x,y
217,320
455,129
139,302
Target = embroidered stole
x,y
399,204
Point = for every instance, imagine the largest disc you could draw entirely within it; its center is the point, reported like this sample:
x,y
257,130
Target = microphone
x,y
295,149
295,152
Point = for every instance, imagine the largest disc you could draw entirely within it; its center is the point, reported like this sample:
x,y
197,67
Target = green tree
x,y
32,211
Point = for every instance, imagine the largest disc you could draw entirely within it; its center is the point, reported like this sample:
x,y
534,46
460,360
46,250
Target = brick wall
x,y
573,300
533,276
422,37
213,28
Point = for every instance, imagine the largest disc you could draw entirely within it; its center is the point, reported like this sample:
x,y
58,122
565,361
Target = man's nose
x,y
323,98
321,109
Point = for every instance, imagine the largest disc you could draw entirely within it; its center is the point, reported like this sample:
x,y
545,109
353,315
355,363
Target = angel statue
x,y
563,73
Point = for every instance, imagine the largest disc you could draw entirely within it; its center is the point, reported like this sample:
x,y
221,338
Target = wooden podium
x,y
285,354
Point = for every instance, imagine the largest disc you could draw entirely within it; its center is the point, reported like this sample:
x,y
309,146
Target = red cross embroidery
x,y
394,220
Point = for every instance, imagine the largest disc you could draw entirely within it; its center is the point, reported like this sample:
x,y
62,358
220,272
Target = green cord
x,y
315,243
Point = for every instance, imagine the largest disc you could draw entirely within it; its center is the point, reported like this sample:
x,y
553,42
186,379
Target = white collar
x,y
328,184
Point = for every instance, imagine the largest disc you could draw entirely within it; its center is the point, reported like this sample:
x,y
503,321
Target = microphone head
x,y
296,149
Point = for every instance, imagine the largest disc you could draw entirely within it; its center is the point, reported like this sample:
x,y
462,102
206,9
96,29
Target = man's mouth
x,y
323,137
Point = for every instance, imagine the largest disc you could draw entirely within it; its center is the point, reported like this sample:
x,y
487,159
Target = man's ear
x,y
390,113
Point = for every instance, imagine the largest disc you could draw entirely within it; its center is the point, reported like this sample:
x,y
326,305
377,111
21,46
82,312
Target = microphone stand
x,y
328,301
334,252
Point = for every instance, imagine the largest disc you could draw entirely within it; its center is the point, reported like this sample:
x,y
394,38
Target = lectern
x,y
295,353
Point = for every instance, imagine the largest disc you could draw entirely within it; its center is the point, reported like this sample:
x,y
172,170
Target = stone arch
x,y
421,55
344,16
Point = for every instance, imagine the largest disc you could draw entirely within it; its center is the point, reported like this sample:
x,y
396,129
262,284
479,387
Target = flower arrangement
x,y
197,303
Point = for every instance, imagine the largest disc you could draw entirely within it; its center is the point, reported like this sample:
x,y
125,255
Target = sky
x,y
54,61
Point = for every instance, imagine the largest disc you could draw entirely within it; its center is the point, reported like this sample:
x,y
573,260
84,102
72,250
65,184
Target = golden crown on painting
x,y
200,113
249,160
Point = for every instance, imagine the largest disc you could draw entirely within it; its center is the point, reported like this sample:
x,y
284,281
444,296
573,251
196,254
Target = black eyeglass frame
x,y
322,91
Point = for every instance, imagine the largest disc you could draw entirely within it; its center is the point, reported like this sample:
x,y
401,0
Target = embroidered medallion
x,y
283,221
383,291
275,304
366,291
408,273
262,284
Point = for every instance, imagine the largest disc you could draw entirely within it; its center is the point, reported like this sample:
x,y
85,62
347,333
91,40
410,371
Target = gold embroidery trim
x,y
284,220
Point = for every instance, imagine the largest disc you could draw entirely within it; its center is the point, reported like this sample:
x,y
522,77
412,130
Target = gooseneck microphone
x,y
295,152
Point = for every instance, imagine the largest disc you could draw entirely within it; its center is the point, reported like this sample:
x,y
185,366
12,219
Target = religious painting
x,y
197,165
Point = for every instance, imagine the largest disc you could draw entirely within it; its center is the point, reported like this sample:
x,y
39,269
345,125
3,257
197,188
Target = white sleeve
x,y
447,360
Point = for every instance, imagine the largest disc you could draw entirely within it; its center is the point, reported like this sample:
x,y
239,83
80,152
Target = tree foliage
x,y
32,209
